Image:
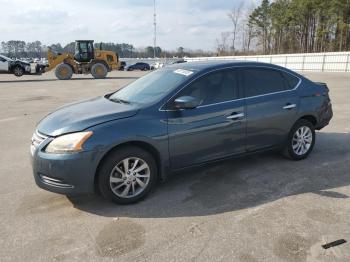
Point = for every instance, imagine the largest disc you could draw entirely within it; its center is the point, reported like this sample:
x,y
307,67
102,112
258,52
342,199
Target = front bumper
x,y
68,174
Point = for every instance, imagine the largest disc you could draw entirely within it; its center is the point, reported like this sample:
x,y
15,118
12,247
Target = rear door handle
x,y
235,116
290,106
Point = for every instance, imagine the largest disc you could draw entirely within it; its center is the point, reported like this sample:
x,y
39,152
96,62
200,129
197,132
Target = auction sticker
x,y
183,72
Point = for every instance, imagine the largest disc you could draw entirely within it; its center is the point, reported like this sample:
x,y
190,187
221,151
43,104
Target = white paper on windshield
x,y
183,72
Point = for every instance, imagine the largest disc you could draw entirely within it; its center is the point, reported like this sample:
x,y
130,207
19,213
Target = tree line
x,y
21,49
288,26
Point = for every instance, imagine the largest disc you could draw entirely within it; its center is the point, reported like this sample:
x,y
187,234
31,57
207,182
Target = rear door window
x,y
261,81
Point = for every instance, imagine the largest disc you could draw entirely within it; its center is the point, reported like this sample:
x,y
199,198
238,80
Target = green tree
x,y
69,48
57,48
260,19
180,51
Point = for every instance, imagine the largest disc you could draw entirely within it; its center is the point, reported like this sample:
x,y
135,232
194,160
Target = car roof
x,y
218,64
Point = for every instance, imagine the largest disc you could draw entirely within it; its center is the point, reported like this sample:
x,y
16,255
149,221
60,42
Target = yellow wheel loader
x,y
86,60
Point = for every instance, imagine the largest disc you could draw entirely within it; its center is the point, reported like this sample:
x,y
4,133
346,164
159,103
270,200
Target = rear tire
x,y
64,72
129,169
99,71
18,71
301,140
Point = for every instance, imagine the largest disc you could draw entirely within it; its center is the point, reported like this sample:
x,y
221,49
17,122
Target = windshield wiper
x,y
121,101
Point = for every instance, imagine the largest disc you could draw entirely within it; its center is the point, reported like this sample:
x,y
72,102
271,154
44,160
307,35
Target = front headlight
x,y
70,143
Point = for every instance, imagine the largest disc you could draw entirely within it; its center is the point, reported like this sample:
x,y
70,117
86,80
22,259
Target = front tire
x,y
99,71
127,175
301,140
18,71
64,72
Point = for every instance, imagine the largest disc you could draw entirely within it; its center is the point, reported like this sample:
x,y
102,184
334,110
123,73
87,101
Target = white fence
x,y
317,62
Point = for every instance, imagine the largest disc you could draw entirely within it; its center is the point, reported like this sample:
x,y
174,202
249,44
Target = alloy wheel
x,y
130,177
302,140
18,71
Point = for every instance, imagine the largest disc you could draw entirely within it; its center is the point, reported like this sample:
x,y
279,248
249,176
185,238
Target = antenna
x,y
155,29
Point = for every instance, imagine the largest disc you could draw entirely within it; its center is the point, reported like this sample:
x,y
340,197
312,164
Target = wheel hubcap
x,y
302,140
18,71
64,72
129,177
99,70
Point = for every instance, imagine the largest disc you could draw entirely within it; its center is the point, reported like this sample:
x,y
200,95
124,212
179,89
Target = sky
x,y
194,24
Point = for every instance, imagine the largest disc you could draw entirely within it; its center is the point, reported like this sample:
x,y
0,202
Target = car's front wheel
x,y
127,175
18,71
301,140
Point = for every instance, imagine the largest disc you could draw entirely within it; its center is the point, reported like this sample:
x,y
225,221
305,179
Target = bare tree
x,y
222,45
235,15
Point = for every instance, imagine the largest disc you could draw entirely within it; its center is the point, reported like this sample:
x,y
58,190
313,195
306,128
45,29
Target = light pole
x,y
155,29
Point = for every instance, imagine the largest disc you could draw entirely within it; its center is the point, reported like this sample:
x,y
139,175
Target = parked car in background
x,y
19,67
179,62
139,66
158,65
174,118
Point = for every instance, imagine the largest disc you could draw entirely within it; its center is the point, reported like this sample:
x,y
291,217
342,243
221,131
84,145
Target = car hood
x,y
20,62
82,115
23,62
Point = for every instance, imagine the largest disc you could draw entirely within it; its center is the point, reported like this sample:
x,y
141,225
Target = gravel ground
x,y
259,208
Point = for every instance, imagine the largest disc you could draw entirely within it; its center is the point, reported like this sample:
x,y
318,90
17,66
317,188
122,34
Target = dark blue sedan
x,y
139,66
180,116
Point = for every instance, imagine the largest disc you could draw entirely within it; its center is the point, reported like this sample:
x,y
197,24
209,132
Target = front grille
x,y
37,139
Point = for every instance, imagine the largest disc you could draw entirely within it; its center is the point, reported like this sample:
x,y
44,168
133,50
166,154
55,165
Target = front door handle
x,y
235,116
290,106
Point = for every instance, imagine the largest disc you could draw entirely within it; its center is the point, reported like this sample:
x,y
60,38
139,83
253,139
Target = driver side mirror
x,y
186,102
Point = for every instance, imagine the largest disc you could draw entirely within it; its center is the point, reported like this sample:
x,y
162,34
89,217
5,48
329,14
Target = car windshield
x,y
151,87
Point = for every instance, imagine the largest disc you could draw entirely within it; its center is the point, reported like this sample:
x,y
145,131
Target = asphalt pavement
x,y
258,208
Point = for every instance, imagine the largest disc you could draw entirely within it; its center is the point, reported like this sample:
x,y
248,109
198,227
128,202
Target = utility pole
x,y
155,29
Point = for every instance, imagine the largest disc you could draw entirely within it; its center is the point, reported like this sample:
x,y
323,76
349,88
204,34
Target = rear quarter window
x,y
292,81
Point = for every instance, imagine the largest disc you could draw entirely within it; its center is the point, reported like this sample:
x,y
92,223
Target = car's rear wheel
x,y
18,71
127,175
301,140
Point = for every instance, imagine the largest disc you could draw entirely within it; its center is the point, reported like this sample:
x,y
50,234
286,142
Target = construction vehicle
x,y
86,60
